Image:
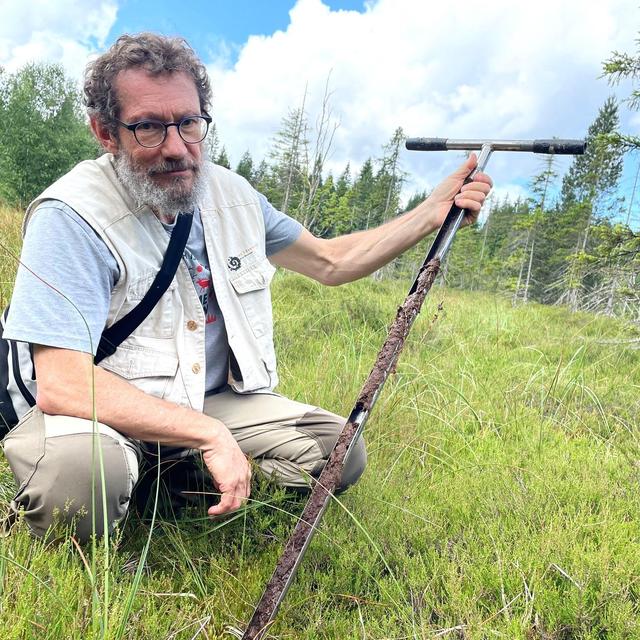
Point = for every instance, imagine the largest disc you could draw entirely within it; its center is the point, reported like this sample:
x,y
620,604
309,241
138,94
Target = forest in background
x,y
571,242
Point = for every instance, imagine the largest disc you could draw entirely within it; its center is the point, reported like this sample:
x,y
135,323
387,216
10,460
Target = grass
x,y
500,501
10,242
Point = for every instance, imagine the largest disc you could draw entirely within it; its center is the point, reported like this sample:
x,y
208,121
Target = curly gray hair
x,y
152,52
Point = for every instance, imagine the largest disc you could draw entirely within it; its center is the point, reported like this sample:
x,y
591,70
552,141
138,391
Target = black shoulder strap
x,y
120,330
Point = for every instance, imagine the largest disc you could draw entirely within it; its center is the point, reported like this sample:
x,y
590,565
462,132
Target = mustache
x,y
172,165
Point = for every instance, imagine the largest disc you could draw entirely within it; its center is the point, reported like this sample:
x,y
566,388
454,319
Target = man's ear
x,y
103,135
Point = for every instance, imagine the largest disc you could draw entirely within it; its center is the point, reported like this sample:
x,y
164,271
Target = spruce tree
x,y
528,285
343,185
245,167
289,155
586,197
625,66
223,159
390,177
363,195
213,143
415,200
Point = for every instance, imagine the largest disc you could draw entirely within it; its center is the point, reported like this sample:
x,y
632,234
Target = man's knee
x,y
354,465
326,428
60,466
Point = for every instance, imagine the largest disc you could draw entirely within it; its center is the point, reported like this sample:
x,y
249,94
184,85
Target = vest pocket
x,y
252,288
160,322
147,369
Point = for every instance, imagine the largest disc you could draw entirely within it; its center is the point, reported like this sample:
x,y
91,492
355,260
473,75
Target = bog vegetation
x,y
500,499
501,496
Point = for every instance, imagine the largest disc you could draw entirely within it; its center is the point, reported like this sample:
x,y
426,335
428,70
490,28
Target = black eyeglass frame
x,y
134,125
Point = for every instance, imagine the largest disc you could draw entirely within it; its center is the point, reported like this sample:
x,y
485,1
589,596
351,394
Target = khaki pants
x,y
56,459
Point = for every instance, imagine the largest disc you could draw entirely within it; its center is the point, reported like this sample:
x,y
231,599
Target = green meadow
x,y
501,498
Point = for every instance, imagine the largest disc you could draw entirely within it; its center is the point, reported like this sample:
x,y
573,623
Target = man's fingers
x,y
230,471
467,166
472,199
228,502
477,196
232,499
482,177
469,196
481,182
473,194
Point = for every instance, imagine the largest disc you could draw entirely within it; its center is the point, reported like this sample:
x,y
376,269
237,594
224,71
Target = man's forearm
x,y
70,384
76,386
346,258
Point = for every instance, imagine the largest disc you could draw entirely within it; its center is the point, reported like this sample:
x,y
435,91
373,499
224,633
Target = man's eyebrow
x,y
149,115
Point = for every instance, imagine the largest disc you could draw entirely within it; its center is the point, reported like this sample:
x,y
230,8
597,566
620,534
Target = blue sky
x,y
205,23
465,69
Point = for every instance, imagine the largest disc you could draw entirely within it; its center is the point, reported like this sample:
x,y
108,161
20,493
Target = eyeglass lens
x,y
151,134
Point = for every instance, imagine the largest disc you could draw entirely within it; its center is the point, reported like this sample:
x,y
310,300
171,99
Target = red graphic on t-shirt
x,y
211,318
201,277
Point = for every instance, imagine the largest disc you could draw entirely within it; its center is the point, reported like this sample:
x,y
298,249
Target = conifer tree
x,y
324,130
625,66
586,196
415,200
343,185
223,159
540,188
388,185
288,155
390,177
213,143
363,197
245,167
261,179
325,219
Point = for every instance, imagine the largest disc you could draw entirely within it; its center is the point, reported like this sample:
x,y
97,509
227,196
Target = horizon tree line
x,y
572,246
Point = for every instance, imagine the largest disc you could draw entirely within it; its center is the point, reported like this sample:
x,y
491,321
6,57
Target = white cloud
x,y
468,68
511,191
65,31
465,69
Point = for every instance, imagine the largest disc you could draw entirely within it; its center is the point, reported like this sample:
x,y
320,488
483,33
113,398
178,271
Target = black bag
x,y
17,371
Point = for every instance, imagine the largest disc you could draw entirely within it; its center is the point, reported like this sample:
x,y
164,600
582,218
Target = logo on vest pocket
x,y
233,263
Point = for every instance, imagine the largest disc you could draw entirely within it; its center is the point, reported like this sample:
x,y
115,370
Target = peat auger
x,y
325,485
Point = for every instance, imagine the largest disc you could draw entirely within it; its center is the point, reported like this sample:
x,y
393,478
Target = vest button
x,y
196,368
192,325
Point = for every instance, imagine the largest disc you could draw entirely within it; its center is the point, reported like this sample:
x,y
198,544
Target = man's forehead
x,y
147,94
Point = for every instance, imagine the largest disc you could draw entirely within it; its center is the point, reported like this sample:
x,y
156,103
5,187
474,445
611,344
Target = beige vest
x,y
165,356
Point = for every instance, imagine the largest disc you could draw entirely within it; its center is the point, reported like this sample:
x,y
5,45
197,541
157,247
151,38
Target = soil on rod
x,y
398,332
332,472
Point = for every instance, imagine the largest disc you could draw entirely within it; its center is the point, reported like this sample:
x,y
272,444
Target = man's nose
x,y
174,146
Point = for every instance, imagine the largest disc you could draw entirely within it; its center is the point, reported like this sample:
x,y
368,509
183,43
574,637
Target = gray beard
x,y
166,202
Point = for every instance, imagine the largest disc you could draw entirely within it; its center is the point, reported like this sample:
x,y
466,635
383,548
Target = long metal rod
x,y
325,486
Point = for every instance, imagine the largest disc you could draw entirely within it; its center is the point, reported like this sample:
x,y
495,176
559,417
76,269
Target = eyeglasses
x,y
152,133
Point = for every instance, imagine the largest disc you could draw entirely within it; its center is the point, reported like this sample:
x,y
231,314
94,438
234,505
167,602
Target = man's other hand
x,y
230,471
466,196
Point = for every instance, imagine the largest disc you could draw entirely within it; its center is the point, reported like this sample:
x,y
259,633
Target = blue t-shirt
x,y
64,282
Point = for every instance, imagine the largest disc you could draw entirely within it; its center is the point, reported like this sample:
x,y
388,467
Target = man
x,y
197,376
